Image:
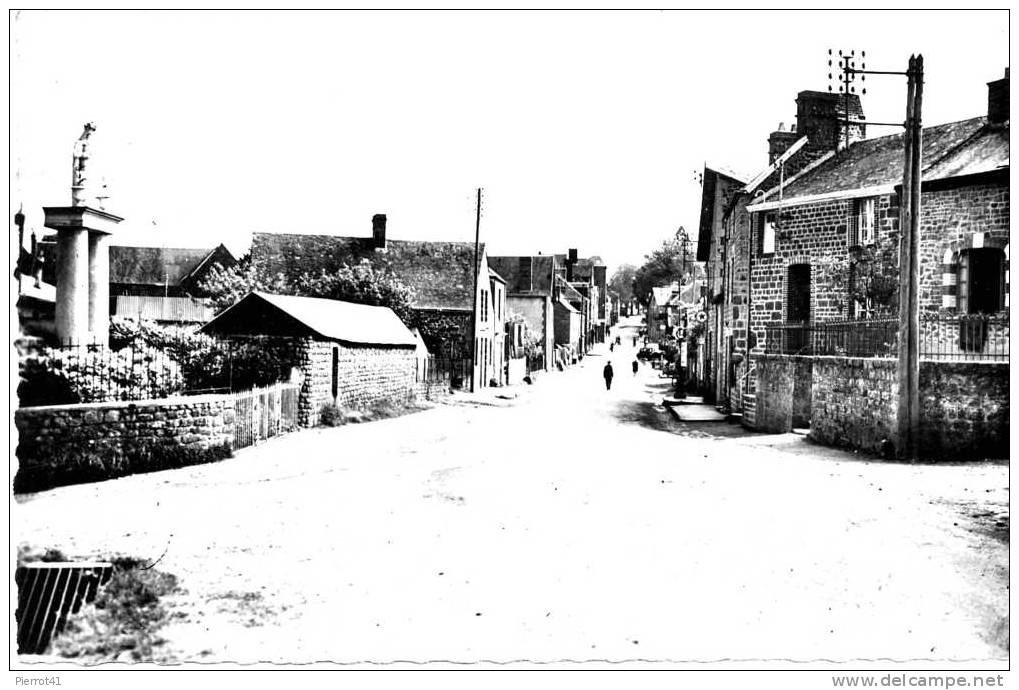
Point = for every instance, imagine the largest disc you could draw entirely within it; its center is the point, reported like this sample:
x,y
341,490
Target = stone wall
x,y
64,444
964,409
853,402
364,376
783,392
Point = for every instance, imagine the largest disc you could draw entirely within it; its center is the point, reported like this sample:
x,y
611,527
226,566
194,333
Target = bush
x,y
121,624
45,465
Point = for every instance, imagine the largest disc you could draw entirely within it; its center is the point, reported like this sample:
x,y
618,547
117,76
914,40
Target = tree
x,y
622,282
362,284
672,262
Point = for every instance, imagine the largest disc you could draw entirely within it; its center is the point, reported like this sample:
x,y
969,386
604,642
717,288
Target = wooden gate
x,y
262,413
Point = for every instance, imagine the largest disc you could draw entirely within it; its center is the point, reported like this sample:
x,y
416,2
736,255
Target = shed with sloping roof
x,y
348,355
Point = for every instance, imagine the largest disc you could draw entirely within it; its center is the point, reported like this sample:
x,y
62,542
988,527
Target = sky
x,y
584,129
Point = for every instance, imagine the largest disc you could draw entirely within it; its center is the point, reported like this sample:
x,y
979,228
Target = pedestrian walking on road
x,y
636,365
607,373
635,341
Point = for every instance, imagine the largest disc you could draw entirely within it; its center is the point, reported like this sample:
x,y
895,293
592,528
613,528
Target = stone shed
x,y
350,355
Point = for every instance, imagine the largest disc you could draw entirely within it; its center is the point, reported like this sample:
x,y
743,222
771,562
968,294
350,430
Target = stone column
x,y
99,287
72,307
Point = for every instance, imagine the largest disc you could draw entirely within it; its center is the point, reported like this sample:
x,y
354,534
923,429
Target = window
x,y
336,373
861,223
484,306
981,281
768,233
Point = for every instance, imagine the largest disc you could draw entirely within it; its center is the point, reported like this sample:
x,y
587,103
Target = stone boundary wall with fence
x,y
853,403
69,444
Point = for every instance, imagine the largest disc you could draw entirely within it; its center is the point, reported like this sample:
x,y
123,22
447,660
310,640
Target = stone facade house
x,y
724,242
530,294
458,319
350,355
823,294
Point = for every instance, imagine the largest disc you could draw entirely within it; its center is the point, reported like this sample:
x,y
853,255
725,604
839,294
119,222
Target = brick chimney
x,y
379,230
820,115
571,259
780,140
997,99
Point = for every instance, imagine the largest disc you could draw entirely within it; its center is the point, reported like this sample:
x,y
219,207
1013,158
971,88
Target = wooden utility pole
x,y
908,418
475,341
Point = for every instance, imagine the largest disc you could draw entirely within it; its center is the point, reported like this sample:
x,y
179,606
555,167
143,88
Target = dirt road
x,y
576,524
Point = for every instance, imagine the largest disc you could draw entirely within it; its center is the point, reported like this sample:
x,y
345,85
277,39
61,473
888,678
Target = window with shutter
x,y
768,233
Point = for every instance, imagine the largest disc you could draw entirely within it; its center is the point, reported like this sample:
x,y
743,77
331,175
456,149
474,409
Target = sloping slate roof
x,y
329,318
534,277
441,273
154,265
986,151
710,183
877,162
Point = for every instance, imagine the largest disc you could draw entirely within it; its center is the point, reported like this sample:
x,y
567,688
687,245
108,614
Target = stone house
x,y
822,299
569,294
568,330
724,232
350,355
530,294
662,308
458,319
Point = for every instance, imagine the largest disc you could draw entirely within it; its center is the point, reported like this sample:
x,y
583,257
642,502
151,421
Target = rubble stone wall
x,y
364,376
64,444
853,402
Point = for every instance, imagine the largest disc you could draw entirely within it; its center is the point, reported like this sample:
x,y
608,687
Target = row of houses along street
x,y
349,447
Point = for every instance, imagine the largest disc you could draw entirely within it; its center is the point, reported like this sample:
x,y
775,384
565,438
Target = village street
x,y
571,523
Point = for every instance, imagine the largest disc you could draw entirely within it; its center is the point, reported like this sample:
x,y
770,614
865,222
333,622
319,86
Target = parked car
x,y
646,352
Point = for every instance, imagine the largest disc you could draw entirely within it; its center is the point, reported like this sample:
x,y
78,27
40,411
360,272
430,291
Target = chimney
x,y
379,230
997,100
780,140
820,116
571,259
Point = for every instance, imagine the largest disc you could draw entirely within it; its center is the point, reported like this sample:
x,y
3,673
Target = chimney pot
x,y
379,230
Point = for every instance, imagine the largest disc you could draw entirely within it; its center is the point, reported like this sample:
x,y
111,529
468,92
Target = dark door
x,y
798,309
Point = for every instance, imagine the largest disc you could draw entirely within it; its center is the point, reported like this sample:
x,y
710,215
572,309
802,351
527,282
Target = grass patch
x,y
334,415
121,624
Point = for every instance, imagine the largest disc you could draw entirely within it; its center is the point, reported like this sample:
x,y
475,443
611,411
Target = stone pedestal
x,y
72,286
83,272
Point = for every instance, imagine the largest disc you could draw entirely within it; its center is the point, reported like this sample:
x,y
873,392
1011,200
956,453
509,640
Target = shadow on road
x,y
651,416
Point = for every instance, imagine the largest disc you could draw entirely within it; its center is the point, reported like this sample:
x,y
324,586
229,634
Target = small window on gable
x,y
768,233
861,223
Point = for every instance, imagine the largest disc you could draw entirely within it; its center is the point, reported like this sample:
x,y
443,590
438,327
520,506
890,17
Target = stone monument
x,y
83,253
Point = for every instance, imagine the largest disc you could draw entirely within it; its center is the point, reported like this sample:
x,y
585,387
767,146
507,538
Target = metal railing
x,y
942,337
454,372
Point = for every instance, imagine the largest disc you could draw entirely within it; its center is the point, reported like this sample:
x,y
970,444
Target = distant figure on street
x,y
635,341
612,347
607,373
636,366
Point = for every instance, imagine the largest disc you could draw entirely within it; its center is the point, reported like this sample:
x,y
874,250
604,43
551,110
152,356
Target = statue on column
x,y
81,187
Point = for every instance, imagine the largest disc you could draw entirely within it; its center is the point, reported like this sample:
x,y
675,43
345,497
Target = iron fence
x,y
48,594
97,372
942,337
454,372
264,412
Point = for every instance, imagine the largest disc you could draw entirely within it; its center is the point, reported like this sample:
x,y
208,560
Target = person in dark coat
x,y
636,365
607,373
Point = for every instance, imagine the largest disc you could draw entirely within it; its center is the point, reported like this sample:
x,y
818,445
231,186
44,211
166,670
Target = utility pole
x,y
909,269
908,375
474,312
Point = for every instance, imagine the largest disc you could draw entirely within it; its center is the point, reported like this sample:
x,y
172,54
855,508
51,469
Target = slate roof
x,y
440,273
525,274
710,183
159,265
878,162
985,151
260,313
